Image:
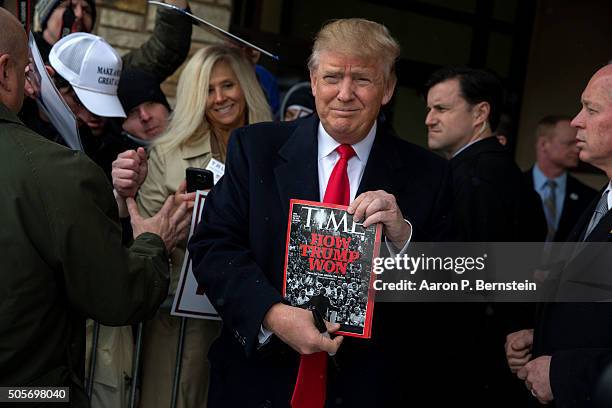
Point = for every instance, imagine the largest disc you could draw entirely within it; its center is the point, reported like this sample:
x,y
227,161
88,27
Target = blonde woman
x,y
217,93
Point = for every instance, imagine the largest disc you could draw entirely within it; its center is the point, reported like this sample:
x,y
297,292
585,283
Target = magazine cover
x,y
328,265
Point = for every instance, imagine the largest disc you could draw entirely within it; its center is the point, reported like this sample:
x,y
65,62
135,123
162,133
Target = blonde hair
x,y
357,37
188,123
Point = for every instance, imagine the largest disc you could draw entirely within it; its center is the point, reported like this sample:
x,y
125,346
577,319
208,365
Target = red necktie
x,y
311,384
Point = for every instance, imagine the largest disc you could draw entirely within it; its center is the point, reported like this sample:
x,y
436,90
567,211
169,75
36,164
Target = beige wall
x,y
571,39
127,24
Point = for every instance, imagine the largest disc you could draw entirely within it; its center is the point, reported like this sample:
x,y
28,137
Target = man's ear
x,y
481,112
313,82
5,68
541,143
389,88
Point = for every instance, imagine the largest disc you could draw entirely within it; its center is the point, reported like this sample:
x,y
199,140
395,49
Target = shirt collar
x,y
327,144
465,147
539,179
609,190
7,115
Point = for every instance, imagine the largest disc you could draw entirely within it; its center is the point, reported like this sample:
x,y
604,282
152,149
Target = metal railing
x,y
137,357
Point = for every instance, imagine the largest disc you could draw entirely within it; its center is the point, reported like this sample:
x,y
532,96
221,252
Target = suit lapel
x,y
601,232
529,177
582,266
297,174
569,206
579,229
382,162
297,170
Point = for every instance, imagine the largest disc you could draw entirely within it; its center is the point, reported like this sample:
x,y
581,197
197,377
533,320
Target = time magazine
x,y
328,265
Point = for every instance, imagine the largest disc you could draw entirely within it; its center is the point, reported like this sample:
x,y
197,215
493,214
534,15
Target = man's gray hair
x,y
357,37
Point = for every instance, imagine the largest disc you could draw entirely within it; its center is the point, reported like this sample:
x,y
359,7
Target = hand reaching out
x,y
171,222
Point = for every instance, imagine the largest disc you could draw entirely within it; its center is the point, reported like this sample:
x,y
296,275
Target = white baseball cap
x,y
93,69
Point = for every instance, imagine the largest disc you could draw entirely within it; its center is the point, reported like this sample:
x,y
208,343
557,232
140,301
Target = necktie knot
x,y
551,184
345,151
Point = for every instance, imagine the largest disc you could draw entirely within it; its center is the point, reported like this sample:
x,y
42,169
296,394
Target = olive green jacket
x,y
62,260
166,49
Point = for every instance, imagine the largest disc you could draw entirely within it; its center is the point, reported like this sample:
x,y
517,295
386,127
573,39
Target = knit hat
x,y
137,86
93,68
299,96
44,8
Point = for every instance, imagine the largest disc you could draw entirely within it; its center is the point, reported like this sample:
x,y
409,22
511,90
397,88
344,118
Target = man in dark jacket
x,y
491,200
238,249
62,254
564,198
561,360
491,203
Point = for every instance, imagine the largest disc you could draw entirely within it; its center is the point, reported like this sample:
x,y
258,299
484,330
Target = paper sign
x,y
190,300
217,168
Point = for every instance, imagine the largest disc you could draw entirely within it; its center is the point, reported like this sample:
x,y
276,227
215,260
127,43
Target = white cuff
x,y
391,247
264,336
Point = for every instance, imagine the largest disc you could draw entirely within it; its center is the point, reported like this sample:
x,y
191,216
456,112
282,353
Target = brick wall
x,y
126,24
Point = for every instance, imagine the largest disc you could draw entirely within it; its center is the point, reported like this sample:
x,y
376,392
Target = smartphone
x,y
198,179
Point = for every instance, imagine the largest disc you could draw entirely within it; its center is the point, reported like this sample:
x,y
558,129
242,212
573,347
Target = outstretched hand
x,y
171,222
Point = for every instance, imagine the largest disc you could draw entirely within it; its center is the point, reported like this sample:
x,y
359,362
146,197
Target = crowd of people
x,y
102,234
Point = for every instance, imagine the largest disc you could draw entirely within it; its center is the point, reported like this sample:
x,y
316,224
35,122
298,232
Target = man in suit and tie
x,y
564,198
563,358
343,154
491,203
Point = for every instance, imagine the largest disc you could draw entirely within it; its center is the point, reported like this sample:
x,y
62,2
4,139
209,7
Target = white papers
x,y
189,301
210,27
50,101
217,168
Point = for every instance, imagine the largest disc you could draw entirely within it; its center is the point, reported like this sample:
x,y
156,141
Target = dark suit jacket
x,y
577,197
238,254
492,203
578,336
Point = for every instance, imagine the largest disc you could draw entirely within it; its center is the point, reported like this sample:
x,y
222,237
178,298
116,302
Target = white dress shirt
x,y
327,158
